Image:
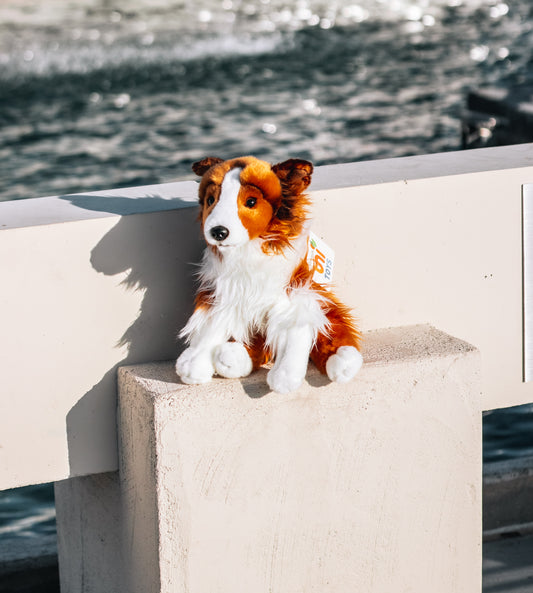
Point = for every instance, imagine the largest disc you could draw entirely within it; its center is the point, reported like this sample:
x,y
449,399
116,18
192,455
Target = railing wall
x,y
93,282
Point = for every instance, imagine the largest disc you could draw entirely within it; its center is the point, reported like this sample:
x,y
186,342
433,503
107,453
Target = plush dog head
x,y
245,198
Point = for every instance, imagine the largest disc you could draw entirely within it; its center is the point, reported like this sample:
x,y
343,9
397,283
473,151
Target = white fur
x,y
195,365
250,291
342,366
292,358
225,213
232,360
250,295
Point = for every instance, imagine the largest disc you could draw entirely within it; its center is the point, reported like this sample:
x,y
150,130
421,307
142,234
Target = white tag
x,y
320,259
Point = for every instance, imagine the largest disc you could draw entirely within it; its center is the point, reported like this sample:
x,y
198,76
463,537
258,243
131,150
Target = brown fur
x,y
342,330
258,351
280,186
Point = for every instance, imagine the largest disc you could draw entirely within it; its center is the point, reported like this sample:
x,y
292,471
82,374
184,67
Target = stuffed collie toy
x,y
256,300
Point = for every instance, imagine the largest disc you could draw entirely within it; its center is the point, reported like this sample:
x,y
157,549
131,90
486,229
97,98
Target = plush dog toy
x,y
257,300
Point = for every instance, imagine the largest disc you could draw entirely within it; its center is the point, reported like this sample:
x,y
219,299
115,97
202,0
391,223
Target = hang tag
x,y
320,257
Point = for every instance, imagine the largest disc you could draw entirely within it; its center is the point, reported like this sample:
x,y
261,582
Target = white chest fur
x,y
247,284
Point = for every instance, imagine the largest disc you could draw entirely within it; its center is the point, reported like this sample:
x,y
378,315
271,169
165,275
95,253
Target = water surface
x,y
94,95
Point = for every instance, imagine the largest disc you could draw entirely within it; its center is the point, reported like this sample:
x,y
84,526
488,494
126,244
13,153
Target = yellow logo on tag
x,y
320,258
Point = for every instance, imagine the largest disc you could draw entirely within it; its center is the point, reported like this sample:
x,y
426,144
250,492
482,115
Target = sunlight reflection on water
x,y
105,96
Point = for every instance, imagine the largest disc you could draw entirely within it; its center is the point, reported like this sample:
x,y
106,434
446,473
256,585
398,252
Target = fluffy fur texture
x,y
257,300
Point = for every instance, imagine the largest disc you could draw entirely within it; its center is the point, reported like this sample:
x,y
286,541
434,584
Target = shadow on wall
x,y
157,250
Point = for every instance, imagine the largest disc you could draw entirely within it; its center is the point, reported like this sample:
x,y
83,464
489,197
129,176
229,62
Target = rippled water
x,y
93,95
27,512
97,94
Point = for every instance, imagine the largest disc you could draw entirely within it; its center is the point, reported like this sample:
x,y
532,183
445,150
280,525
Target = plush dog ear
x,y
294,174
295,177
204,165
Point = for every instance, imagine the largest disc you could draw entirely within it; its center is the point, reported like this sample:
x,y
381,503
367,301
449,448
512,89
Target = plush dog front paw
x,y
232,360
342,366
194,366
283,381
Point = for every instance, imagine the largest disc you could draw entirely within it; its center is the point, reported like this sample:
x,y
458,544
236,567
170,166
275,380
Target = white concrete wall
x,y
444,249
78,299
92,282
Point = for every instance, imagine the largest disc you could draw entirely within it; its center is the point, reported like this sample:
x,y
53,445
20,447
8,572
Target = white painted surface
x,y
99,204
428,166
77,300
434,239
445,250
527,238
373,486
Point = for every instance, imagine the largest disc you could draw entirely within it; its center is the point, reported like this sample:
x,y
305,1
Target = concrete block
x,y
89,531
371,486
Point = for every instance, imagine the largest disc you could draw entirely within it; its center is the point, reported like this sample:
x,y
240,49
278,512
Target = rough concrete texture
x,y
89,525
372,486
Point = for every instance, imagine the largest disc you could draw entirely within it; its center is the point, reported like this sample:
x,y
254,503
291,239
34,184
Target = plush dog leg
x,y
195,365
342,366
292,356
232,360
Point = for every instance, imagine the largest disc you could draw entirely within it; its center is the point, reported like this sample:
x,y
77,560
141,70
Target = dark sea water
x,y
96,94
27,512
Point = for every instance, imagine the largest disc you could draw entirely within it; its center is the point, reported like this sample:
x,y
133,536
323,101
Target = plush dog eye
x,y
251,202
210,200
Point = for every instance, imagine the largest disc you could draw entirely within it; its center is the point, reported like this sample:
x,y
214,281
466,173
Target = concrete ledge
x,y
17,214
372,486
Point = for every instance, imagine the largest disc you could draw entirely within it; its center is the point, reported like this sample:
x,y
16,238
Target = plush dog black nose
x,y
219,233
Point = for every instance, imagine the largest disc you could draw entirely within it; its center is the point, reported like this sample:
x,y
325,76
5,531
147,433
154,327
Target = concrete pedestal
x,y
372,486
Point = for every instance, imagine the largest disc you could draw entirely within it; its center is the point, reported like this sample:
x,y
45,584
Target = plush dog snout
x,y
219,233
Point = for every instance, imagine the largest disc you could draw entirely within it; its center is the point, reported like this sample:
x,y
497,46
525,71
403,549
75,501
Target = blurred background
x,y
97,94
